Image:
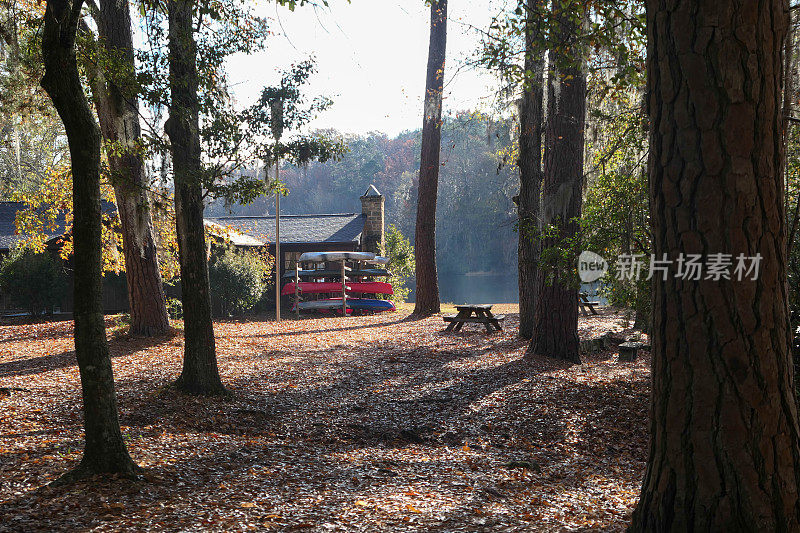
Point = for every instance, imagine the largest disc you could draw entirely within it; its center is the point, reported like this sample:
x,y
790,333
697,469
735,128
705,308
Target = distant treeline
x,y
475,226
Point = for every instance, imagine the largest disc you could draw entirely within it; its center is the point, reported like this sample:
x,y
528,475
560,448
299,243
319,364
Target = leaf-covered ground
x,y
338,424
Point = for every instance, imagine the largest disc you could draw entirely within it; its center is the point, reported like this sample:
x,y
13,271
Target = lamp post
x,y
278,261
276,125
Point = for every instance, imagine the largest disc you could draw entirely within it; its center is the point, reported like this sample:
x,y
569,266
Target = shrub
x,y
401,262
33,281
238,280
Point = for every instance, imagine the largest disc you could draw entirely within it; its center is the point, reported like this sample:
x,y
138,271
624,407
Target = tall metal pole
x,y
276,125
278,262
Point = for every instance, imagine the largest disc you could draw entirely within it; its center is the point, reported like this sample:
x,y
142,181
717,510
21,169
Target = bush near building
x,y
238,278
401,262
33,281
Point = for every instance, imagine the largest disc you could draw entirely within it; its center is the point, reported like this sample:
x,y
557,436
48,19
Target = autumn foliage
x,y
365,423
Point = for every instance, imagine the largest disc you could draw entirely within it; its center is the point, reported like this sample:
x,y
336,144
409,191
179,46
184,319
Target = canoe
x,y
308,287
379,260
366,304
353,304
366,287
322,305
363,273
368,272
319,257
370,287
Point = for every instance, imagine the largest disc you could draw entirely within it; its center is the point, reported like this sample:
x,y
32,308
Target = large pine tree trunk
x,y
200,374
555,332
105,450
530,167
427,291
724,451
118,110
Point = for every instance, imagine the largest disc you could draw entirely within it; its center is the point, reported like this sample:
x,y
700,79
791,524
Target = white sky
x,y
371,58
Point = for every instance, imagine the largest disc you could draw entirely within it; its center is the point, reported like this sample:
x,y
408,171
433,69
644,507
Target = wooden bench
x,y
482,315
583,303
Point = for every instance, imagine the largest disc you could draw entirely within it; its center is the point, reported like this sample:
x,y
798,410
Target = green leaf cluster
x,y
615,216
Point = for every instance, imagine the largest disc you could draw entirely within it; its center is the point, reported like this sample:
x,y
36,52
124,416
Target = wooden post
x,y
344,290
297,289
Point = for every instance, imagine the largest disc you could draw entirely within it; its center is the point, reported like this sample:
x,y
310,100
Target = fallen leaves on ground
x,y
334,424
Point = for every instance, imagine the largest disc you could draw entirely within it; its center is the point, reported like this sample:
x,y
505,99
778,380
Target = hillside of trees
x,y
476,219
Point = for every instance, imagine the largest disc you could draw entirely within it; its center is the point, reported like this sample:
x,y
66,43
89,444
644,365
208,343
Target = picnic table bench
x,y
583,303
482,315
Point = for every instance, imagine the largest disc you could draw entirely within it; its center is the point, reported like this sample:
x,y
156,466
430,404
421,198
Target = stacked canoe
x,y
348,283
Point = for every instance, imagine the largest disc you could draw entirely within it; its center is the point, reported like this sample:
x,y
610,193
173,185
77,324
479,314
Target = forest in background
x,y
476,219
476,216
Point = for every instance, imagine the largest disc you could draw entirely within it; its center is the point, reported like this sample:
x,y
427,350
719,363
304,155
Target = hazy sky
x,y
371,59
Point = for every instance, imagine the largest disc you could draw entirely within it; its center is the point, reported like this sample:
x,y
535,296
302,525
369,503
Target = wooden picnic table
x,y
482,315
583,303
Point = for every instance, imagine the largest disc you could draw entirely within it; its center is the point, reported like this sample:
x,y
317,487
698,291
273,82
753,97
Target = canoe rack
x,y
328,289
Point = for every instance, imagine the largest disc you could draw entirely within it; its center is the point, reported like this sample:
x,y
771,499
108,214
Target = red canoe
x,y
365,287
370,287
308,287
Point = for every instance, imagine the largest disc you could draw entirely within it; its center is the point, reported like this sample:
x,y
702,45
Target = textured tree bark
x,y
104,451
200,374
724,451
427,291
530,168
118,111
555,332
643,313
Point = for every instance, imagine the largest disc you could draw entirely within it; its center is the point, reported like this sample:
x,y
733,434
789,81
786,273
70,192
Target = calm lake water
x,y
488,288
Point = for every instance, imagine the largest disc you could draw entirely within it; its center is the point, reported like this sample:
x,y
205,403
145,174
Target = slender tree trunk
x,y
789,96
105,450
724,451
427,292
10,50
118,110
200,374
530,167
787,110
556,311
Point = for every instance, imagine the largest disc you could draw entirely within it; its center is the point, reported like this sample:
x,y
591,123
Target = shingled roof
x,y
295,229
299,229
8,230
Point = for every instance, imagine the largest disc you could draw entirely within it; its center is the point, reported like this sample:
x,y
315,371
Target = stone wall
x,y
372,237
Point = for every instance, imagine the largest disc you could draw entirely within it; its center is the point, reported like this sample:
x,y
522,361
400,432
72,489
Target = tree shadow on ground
x,y
36,335
28,320
270,476
378,422
346,392
118,347
327,330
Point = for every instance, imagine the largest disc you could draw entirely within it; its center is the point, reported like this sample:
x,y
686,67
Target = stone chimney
x,y
372,207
